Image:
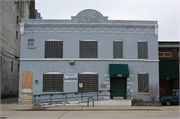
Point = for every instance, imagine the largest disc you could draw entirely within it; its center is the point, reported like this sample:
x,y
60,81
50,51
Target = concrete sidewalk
x,y
12,105
16,107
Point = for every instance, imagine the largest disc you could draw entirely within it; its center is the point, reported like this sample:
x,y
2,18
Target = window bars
x,y
143,83
142,50
53,49
117,49
88,49
52,82
89,82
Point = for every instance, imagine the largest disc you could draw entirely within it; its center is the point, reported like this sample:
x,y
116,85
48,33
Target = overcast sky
x,y
166,12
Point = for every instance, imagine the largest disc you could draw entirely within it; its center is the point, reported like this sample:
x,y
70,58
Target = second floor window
x,y
53,49
88,49
142,50
117,49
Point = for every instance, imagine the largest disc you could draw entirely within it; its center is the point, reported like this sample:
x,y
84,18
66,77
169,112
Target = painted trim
x,y
22,28
82,59
88,40
53,40
88,72
53,73
143,73
88,32
142,41
117,40
156,30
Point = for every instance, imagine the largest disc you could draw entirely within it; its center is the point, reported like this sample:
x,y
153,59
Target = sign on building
x,y
80,85
70,77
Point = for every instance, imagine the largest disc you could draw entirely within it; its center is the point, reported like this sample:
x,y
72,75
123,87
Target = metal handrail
x,y
79,95
88,101
66,95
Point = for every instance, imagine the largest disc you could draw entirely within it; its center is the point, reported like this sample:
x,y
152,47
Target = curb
x,y
88,110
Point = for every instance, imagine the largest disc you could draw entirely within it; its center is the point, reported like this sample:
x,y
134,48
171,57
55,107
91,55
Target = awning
x,y
118,70
168,69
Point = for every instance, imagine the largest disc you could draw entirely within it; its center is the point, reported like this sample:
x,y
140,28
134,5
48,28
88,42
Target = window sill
x,y
30,47
143,93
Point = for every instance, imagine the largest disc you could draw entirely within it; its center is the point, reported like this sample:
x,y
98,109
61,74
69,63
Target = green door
x,y
118,87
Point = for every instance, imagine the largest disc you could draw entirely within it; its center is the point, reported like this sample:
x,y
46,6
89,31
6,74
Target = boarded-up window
x,y
117,49
142,50
143,83
52,82
53,49
88,49
89,82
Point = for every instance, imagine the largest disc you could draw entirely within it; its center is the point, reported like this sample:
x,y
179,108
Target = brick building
x,y
168,67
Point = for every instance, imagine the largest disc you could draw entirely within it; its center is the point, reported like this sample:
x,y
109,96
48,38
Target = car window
x,y
177,93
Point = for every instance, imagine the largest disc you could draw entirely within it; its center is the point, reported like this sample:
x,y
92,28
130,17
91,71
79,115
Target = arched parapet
x,y
89,16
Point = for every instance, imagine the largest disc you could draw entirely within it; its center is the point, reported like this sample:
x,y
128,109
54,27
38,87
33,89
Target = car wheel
x,y
168,102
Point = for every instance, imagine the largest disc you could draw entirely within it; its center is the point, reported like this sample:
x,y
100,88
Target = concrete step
x,y
118,98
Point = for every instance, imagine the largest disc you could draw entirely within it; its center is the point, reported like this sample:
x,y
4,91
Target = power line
x,y
45,9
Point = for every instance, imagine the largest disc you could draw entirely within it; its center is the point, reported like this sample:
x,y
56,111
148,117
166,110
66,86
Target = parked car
x,y
173,99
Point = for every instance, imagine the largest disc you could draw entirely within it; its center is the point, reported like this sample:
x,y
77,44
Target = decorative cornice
x,y
22,28
82,59
156,30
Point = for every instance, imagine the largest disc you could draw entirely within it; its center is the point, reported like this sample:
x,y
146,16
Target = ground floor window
x,y
52,82
143,83
87,82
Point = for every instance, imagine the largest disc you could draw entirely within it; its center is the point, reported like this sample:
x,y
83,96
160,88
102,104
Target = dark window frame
x,y
142,49
143,83
88,49
117,49
17,19
90,82
12,66
53,82
53,49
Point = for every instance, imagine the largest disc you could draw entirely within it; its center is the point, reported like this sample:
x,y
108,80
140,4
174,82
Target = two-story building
x,y
89,53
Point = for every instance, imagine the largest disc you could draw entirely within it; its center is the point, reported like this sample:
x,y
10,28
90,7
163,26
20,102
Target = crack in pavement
x,y
62,115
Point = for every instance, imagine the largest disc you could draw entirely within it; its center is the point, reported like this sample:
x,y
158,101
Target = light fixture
x,y
72,62
36,81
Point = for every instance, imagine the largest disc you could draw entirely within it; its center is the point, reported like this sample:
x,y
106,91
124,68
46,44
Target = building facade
x,y
89,53
168,67
11,13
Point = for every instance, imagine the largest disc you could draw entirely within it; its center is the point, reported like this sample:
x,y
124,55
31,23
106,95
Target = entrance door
x,y
118,87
